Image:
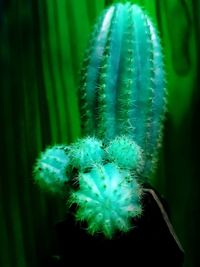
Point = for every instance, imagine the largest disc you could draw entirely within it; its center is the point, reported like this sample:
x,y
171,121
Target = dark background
x,y
42,43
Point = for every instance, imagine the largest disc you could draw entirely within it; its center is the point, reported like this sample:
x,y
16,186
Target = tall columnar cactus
x,y
122,102
122,88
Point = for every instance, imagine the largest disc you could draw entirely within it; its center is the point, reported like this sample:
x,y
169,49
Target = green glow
x,y
31,118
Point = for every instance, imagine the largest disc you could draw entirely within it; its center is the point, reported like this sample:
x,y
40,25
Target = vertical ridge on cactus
x,y
141,52
124,109
89,73
158,100
108,77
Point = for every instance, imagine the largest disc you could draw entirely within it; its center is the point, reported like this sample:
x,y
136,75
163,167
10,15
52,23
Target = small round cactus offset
x,y
126,153
86,152
50,170
107,199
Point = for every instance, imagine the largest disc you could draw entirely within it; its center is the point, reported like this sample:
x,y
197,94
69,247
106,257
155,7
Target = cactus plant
x,y
122,104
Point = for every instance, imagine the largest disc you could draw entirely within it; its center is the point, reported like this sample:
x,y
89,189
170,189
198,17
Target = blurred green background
x,y
42,43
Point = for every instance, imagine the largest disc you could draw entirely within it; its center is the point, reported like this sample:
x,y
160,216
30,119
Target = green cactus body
x,y
129,87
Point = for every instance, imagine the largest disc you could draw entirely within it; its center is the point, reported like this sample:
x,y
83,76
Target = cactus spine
x,y
127,96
